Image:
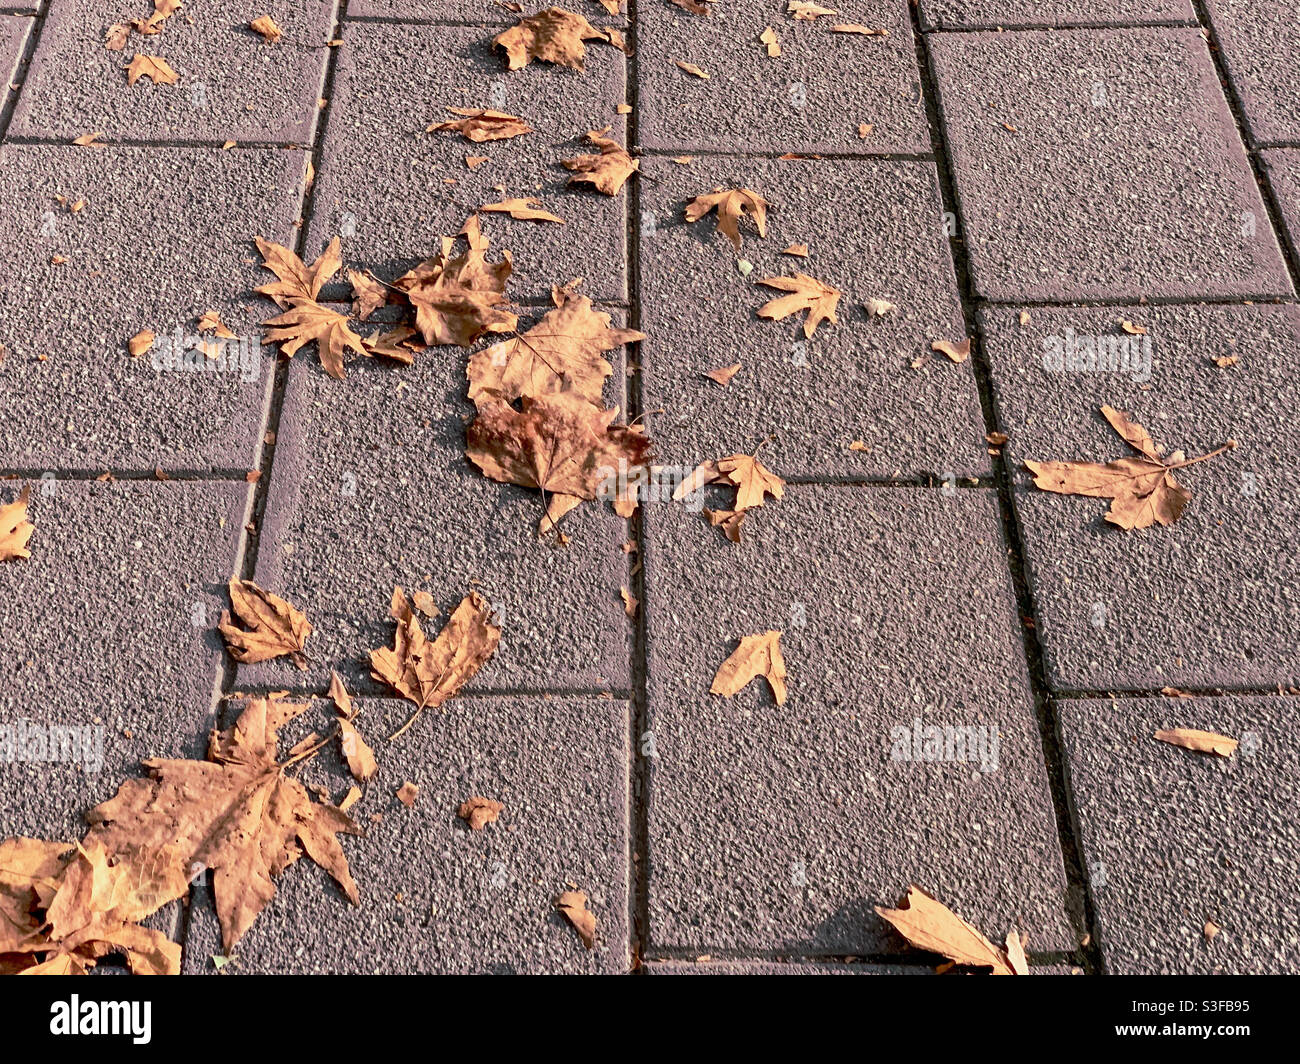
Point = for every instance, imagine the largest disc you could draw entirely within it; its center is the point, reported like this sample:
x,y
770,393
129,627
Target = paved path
x,y
1026,157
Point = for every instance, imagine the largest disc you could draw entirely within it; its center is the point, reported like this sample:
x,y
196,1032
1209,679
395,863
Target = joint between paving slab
x,y
1080,694
738,153
1145,301
148,142
1039,27
9,105
1080,905
81,474
906,959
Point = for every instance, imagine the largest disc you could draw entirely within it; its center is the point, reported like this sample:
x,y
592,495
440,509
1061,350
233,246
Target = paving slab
x,y
1211,601
812,98
378,493
477,12
75,398
376,140
774,968
1089,194
437,897
1283,167
874,230
13,35
109,629
1011,14
233,84
1258,41
1174,839
777,828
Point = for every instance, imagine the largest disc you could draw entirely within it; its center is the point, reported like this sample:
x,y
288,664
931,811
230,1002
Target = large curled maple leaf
x,y
607,169
562,352
550,36
731,204
274,626
238,813
297,281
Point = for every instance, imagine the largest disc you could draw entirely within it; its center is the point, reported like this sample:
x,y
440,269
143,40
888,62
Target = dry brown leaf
x,y
115,37
550,36
610,5
297,281
798,251
475,161
429,673
724,374
757,655
753,480
878,308
1203,742
1211,930
956,352
478,812
929,925
805,294
773,42
806,11
606,171
237,813
864,130
859,29
87,139
630,601
480,126
692,69
424,603
210,322
727,520
308,321
1015,953
356,752
397,343
562,352
30,872
693,6
407,793
1143,491
1133,330
275,627
153,67
265,25
573,904
368,294
523,210
731,204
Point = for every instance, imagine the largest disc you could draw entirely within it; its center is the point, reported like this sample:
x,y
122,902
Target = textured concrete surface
x,y
436,896
382,495
1213,600
1010,14
874,230
1174,839
111,623
13,35
1091,196
137,257
476,12
777,828
812,98
233,84
385,181
1259,40
1283,168
774,968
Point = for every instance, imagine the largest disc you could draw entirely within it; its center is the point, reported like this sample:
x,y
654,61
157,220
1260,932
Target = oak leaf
x,y
550,36
1204,742
562,352
757,655
479,125
805,293
307,321
932,926
297,281
274,627
573,904
15,530
606,171
731,205
153,67
238,814
1143,491
478,812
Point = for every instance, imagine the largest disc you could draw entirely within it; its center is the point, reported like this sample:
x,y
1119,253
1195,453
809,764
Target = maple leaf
x,y
307,321
395,343
932,926
275,627
606,171
153,67
297,281
753,480
162,10
523,210
15,530
481,125
805,293
729,521
359,756
573,904
757,655
478,812
731,204
562,352
559,443
550,36
1143,491
456,298
1203,742
238,813
429,673
265,25
368,294
29,877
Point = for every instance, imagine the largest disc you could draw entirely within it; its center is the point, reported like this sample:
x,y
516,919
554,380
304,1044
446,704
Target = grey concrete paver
x,y
436,896
233,84
76,399
874,230
1175,839
1283,169
774,968
1009,14
376,140
383,496
812,98
1212,600
110,624
478,12
13,35
1089,193
1258,41
777,828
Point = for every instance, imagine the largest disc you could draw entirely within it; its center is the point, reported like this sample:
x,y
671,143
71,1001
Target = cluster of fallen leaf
x,y
155,67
